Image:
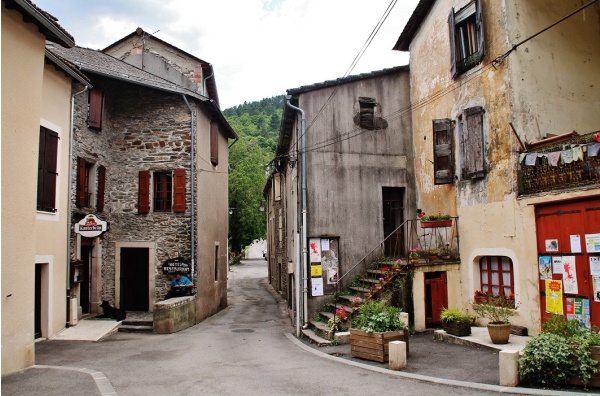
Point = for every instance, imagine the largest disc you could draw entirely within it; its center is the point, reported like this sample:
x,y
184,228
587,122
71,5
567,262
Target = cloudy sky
x,y
258,48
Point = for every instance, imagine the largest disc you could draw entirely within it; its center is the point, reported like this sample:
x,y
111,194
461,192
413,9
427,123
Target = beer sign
x,y
91,226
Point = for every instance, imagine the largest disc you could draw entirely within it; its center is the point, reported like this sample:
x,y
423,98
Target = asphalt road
x,y
243,350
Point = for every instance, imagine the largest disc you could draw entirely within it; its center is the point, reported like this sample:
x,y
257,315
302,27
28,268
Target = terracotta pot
x,y
414,260
499,332
436,223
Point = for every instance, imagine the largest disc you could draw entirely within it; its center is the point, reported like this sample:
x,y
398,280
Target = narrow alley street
x,y
245,349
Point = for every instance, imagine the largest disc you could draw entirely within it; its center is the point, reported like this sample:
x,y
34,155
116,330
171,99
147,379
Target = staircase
x,y
137,322
366,286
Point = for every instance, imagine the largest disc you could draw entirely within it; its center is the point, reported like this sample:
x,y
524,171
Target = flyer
x,y
544,263
554,301
569,275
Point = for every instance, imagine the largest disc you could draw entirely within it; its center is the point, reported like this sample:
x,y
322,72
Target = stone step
x,y
327,315
359,289
348,298
346,308
321,329
138,322
136,329
313,337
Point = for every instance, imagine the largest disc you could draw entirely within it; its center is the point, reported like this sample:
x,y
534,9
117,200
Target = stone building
x,y
151,159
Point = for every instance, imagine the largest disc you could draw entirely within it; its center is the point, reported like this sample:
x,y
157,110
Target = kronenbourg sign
x,y
90,226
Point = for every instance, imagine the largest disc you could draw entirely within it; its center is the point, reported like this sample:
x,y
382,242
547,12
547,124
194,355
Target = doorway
x,y
393,217
436,297
37,331
86,282
134,279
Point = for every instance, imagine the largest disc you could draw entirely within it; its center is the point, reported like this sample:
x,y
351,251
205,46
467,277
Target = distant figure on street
x,y
180,286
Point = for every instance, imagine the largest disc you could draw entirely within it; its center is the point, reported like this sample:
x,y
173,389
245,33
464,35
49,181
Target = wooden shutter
x,y
479,30
473,143
101,188
443,165
47,170
144,192
96,108
179,190
80,199
214,143
452,43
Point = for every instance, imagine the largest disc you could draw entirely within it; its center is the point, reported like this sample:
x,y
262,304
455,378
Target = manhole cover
x,y
243,331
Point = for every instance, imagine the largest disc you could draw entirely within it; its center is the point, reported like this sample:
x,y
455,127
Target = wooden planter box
x,y
595,380
374,346
458,329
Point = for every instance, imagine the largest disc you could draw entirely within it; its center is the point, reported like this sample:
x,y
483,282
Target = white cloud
x,y
258,48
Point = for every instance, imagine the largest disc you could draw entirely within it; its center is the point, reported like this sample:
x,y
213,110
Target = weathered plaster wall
x,y
555,75
348,166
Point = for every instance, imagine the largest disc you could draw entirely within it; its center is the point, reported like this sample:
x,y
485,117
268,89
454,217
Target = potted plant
x,y
498,311
339,320
435,220
446,252
432,254
374,326
356,302
456,322
413,256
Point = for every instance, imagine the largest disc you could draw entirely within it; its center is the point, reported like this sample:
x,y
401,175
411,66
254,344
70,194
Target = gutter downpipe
x,y
70,203
302,268
193,176
212,74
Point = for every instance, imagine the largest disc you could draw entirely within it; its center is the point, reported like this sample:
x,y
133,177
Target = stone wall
x,y
143,129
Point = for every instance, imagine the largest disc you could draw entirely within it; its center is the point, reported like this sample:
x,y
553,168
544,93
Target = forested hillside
x,y
257,125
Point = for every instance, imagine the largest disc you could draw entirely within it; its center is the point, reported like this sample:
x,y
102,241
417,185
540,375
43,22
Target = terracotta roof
x,y
344,80
413,24
46,23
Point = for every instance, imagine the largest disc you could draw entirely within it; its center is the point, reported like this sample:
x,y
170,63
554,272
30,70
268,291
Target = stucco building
x,y
36,127
490,87
342,180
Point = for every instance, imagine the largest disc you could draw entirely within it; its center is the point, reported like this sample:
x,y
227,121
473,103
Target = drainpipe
x,y
304,252
212,74
70,204
193,176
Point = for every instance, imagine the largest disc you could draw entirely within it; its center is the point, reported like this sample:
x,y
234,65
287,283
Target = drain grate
x,y
243,331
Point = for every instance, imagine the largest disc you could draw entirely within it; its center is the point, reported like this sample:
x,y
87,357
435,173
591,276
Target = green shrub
x,y
455,315
375,316
552,360
558,324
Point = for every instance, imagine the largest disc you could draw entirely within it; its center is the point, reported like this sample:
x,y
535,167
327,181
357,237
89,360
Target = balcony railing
x,y
542,176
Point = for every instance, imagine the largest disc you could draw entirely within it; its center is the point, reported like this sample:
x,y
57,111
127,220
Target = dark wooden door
x,y
38,302
134,279
560,223
86,280
436,297
393,217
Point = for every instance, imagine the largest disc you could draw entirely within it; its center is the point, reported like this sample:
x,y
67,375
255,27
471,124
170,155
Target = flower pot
x,y
436,223
446,256
432,257
414,261
459,329
499,332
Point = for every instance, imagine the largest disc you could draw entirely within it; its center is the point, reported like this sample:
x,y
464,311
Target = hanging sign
x,y
176,264
90,226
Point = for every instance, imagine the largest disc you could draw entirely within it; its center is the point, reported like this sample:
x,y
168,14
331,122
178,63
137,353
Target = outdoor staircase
x,y
364,286
137,322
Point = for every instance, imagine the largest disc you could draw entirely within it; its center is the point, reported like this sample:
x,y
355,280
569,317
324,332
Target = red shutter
x,y
101,187
96,109
80,198
214,143
179,191
144,193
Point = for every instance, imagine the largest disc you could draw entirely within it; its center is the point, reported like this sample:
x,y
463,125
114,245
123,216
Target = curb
x,y
102,382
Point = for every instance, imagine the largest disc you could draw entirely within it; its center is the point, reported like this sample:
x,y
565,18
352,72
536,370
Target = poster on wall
x,y
554,300
575,243
596,284
544,263
569,275
332,276
316,286
314,248
331,264
551,245
579,309
557,265
316,270
592,243
594,266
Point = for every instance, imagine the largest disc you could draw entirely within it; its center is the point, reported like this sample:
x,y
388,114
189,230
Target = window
x,y
466,37
47,170
214,143
168,191
95,108
442,151
163,191
497,275
367,112
473,150
85,183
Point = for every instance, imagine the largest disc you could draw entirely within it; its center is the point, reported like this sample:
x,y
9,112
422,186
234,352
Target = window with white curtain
x,y
497,275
